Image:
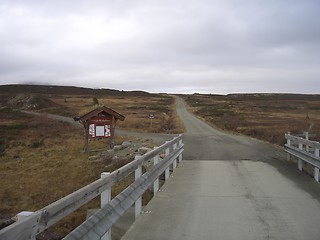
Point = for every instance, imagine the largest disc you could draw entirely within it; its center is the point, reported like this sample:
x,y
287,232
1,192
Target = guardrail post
x,y
288,144
316,174
300,162
316,152
300,146
307,138
316,170
174,165
23,215
180,156
156,182
105,199
138,202
167,172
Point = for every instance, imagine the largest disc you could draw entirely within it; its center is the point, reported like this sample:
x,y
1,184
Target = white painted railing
x,y
305,151
98,225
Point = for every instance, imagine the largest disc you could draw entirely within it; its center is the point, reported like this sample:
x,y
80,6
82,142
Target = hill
x,y
65,90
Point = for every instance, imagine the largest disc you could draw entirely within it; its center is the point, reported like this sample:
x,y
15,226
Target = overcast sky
x,y
178,46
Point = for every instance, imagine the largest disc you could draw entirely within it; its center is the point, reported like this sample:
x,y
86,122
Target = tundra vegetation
x,y
263,116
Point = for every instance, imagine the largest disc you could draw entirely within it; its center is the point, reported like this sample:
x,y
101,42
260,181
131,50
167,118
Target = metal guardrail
x,y
306,151
98,225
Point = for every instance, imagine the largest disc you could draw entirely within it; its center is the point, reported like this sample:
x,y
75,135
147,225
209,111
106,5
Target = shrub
x,y
95,101
37,143
2,146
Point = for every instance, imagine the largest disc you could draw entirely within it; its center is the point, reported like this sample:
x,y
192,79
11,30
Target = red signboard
x,y
100,127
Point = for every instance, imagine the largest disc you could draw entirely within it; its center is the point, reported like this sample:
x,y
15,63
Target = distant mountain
x,y
274,96
261,96
66,90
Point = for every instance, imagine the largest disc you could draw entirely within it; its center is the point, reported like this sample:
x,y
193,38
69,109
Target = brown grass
x,y
36,164
263,116
136,109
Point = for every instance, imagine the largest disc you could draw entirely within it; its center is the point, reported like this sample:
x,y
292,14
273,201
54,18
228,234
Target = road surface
x,y
231,187
206,143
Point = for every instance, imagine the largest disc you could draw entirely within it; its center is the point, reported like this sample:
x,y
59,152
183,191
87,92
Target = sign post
x,y
151,116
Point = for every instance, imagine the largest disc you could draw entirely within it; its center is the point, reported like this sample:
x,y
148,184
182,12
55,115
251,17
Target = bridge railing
x,y
306,151
99,224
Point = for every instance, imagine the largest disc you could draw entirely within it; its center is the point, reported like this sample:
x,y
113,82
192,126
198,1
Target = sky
x,y
174,46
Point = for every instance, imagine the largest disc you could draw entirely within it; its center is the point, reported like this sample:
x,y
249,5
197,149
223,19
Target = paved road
x,y
232,187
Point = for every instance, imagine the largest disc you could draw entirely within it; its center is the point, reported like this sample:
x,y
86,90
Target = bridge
x,y
218,186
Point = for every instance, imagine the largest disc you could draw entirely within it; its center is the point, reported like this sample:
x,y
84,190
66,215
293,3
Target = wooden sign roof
x,y
98,112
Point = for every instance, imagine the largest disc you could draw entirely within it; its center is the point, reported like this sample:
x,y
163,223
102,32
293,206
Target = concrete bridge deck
x,y
229,200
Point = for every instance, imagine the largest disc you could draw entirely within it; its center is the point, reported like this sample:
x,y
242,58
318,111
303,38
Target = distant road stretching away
x,y
230,187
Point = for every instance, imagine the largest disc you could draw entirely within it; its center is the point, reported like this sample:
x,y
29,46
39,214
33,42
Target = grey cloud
x,y
174,46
